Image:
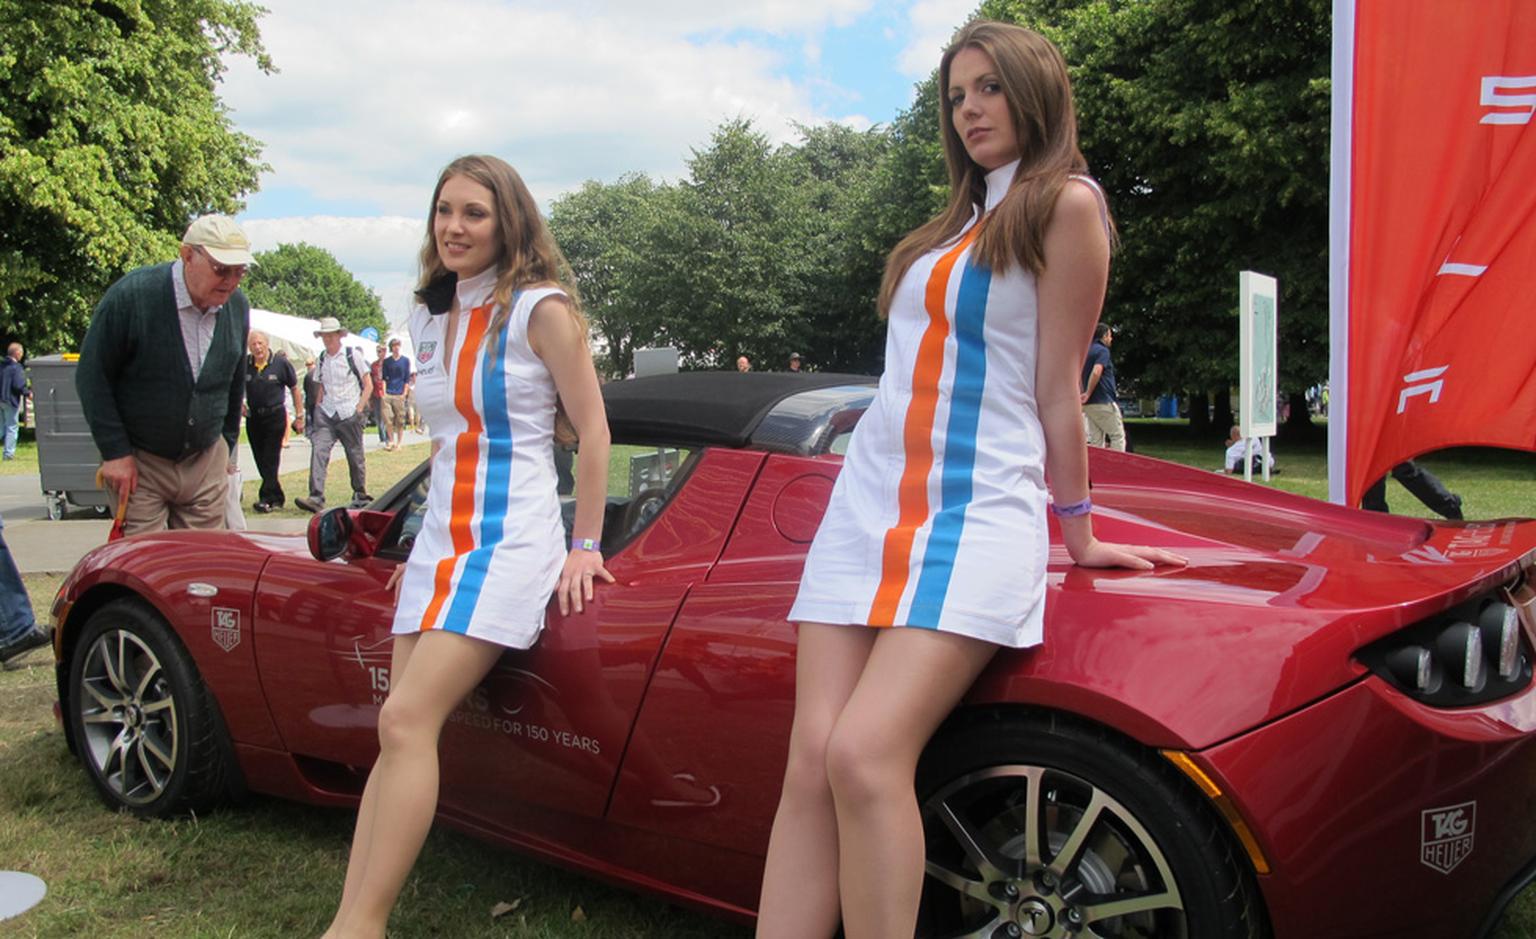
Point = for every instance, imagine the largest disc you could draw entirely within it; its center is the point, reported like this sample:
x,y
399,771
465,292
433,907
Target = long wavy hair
x,y
526,253
1039,95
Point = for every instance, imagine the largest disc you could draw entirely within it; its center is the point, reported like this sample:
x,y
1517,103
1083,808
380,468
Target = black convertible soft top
x,y
706,408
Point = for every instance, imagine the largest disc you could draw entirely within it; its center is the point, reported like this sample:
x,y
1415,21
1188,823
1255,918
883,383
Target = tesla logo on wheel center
x,y
1446,838
226,628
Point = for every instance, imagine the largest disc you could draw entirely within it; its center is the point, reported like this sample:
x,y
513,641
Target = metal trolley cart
x,y
67,458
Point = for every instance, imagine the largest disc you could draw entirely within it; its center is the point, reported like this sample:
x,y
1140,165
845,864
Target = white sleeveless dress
x,y
938,517
491,545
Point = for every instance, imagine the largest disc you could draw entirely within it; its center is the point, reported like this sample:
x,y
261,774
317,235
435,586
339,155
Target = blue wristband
x,y
1073,510
583,544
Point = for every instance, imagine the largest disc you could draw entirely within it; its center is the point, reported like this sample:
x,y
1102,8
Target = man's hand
x,y
120,475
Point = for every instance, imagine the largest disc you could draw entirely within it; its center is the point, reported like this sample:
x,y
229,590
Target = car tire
x,y
145,726
1154,860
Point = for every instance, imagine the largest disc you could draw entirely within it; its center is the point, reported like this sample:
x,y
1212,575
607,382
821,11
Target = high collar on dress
x,y
438,295
998,182
473,291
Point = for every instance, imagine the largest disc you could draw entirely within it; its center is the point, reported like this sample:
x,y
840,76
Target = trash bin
x,y
67,458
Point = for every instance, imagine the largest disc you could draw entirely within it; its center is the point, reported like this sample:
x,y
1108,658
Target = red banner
x,y
1434,233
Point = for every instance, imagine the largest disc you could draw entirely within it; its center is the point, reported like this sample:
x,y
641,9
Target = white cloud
x,y
380,251
933,23
373,97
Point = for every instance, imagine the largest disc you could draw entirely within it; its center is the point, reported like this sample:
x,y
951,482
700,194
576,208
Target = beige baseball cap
x,y
222,238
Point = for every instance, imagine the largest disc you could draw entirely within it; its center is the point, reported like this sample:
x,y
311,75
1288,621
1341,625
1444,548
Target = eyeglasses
x,y
222,271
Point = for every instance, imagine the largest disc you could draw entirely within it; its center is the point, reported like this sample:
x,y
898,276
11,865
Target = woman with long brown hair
x,y
501,348
936,533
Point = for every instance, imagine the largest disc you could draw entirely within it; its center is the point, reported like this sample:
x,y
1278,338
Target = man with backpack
x,y
341,409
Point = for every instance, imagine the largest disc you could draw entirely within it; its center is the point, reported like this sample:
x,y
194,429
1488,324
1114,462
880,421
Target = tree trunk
x,y
1221,419
1298,424
1199,415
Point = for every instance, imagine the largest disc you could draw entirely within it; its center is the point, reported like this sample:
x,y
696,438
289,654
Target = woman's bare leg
x,y
913,679
367,809
800,898
443,669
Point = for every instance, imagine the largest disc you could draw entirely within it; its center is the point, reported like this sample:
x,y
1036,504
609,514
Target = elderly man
x,y
13,391
160,380
269,380
341,408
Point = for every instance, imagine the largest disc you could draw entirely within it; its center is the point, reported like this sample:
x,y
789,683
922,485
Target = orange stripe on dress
x,y
466,459
917,441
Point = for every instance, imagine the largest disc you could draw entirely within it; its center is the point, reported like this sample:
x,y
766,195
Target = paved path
x,y
40,545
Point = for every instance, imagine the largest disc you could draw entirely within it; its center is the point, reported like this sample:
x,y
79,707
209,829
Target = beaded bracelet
x,y
1073,510
583,544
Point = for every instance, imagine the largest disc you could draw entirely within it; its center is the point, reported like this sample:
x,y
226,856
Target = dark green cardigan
x,y
134,381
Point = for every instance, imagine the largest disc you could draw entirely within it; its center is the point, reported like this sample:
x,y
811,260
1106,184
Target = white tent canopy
x,y
294,336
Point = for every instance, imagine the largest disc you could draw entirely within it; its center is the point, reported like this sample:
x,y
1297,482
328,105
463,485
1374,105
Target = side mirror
x,y
330,533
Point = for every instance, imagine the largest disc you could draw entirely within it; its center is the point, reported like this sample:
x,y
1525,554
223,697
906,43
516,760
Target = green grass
x,y
1492,483
268,868
25,462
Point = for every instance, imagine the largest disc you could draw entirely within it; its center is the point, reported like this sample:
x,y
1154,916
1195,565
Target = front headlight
x,y
1471,654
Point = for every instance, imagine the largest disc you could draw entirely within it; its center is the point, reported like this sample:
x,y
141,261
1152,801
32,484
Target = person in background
x,y
311,392
13,396
794,361
270,385
1422,484
1238,447
161,377
376,403
1101,412
19,630
341,408
397,375
743,364
910,587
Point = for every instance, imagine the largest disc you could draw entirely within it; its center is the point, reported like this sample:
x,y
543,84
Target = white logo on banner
x,y
1431,388
1493,85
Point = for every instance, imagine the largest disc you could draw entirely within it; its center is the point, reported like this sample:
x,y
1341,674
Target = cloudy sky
x,y
372,97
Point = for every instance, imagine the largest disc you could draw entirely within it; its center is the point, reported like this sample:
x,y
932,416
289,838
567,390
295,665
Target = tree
x,y
1207,122
112,138
754,253
303,280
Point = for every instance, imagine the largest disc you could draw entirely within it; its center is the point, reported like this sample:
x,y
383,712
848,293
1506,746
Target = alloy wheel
x,y
128,714
1032,851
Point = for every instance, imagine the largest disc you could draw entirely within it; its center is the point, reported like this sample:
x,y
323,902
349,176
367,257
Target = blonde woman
x,y
501,347
936,532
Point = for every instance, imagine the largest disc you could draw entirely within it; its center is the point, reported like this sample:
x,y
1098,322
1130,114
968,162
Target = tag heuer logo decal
x,y
425,350
226,628
1446,835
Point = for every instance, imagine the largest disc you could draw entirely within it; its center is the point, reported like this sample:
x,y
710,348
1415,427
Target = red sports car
x,y
1324,726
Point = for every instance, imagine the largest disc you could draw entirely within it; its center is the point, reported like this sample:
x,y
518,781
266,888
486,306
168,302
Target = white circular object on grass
x,y
19,893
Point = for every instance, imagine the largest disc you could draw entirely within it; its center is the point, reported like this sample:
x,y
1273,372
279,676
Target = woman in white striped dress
x,y
499,346
936,531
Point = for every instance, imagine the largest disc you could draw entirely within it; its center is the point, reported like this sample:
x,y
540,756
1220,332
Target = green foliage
x,y
112,138
758,252
1207,122
303,280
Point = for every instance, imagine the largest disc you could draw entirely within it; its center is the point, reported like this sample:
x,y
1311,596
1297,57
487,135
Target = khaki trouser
x,y
394,411
1105,428
188,494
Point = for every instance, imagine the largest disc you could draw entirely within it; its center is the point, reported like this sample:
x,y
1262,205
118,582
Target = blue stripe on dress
x,y
498,480
955,479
